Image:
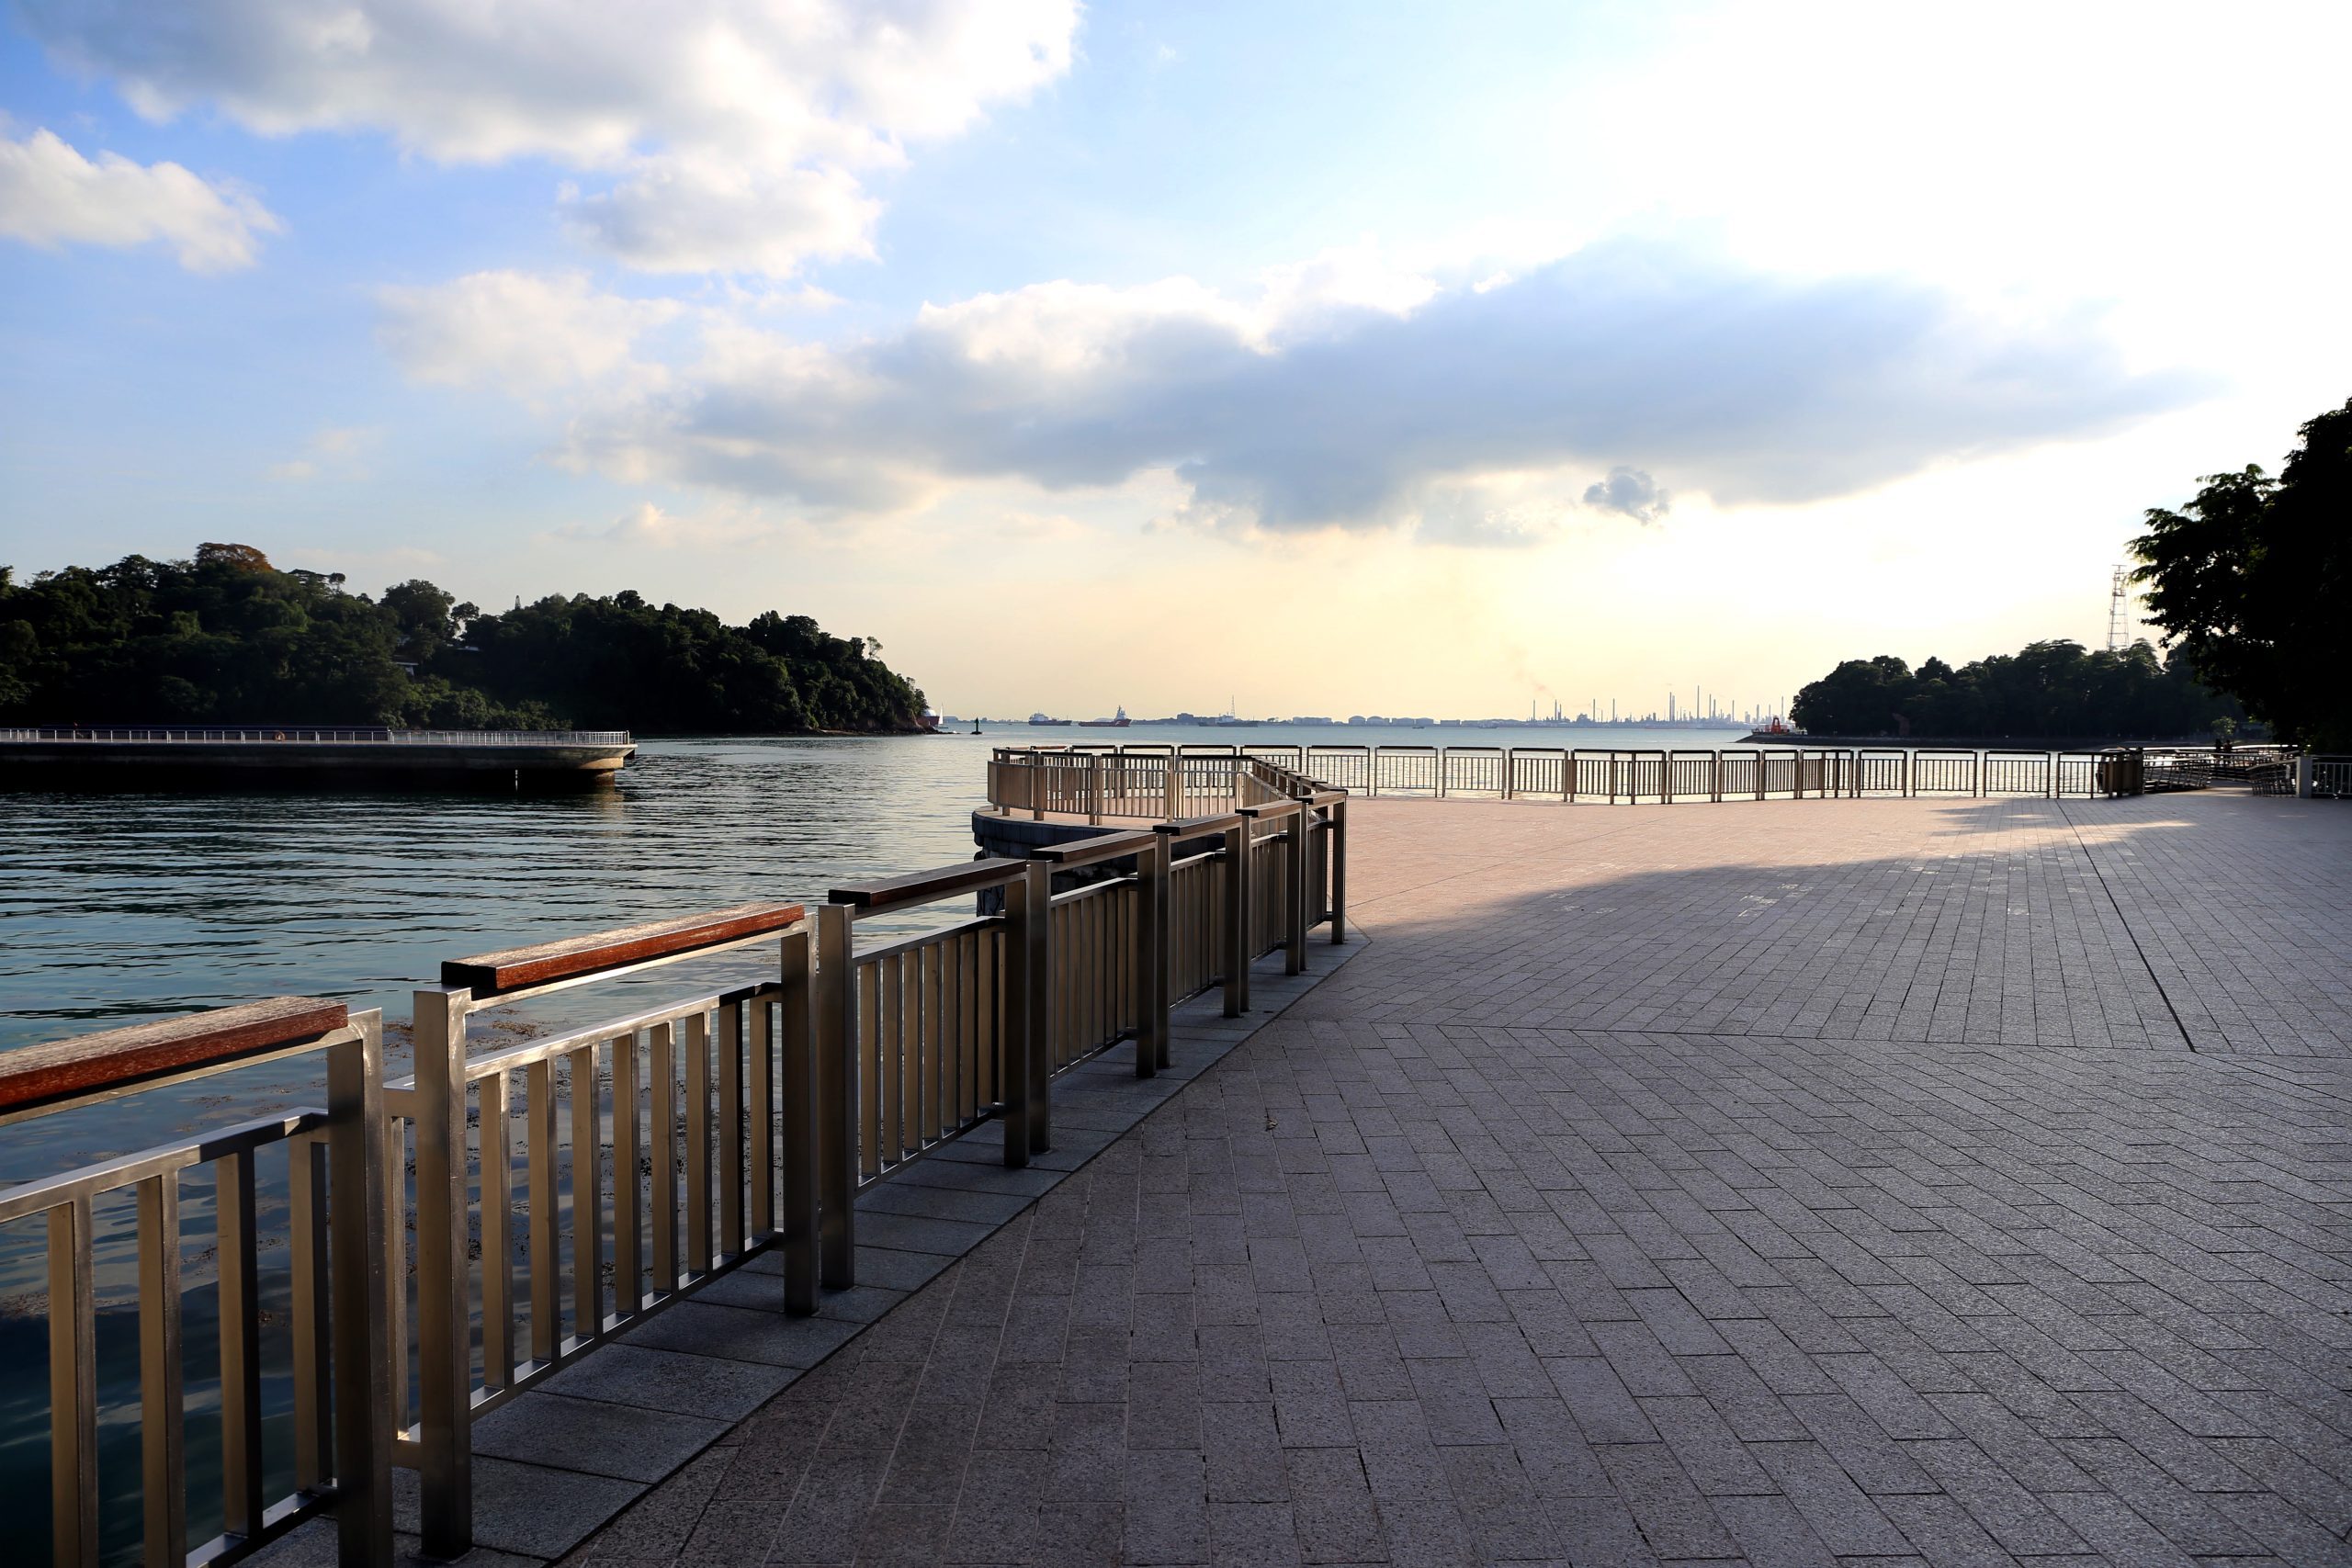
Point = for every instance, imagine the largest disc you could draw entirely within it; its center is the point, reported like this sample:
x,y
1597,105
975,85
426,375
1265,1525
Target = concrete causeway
x,y
1881,1181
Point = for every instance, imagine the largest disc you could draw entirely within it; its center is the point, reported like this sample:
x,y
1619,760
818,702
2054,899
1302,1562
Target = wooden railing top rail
x,y
1190,827
1089,851
500,974
35,1078
927,886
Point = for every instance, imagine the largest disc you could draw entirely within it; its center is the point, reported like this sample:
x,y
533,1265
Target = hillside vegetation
x,y
226,638
2044,691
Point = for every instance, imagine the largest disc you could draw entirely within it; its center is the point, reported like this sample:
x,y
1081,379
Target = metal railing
x,y
335,1242
500,1213
1145,783
271,734
1104,783
2326,777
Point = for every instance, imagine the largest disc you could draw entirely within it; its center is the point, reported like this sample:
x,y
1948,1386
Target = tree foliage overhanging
x,y
2045,691
2253,580
226,638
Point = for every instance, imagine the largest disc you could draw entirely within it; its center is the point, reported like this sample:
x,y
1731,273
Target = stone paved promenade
x,y
1799,1182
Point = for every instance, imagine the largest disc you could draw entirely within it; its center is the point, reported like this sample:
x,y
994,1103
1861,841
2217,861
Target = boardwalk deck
x,y
1900,1182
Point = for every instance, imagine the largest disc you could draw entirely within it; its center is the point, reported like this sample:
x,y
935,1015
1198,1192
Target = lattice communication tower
x,y
2119,611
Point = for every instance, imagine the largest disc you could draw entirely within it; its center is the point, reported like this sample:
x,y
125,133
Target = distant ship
x,y
1121,722
1040,718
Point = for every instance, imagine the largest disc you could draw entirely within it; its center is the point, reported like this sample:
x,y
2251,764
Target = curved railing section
x,y
1105,784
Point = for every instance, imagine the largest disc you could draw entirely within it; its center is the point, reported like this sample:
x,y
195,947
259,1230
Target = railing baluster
x,y
988,955
873,1049
161,1409
762,1132
628,1259
306,1217
547,1266
697,1144
904,1010
928,1044
587,1196
955,998
240,1293
393,1199
730,1127
497,1141
72,1388
663,1150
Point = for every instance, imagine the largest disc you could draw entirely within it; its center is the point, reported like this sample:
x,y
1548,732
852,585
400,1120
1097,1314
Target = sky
x,y
1309,358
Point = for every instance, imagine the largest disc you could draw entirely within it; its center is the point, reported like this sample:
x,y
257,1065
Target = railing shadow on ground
x,y
501,1213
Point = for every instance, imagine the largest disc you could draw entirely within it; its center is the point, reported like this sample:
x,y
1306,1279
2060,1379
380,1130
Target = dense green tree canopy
x,y
2045,691
2253,579
227,638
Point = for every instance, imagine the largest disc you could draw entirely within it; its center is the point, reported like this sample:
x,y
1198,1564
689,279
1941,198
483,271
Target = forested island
x,y
226,638
2044,691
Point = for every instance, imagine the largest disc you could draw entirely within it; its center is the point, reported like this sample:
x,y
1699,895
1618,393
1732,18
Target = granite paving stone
x,y
1883,1181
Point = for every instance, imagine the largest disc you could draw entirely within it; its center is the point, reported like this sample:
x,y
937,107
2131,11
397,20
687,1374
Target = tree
x,y
1858,697
2252,581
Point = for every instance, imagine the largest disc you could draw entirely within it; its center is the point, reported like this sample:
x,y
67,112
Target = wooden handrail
x,y
924,887
1191,827
516,968
1102,847
115,1058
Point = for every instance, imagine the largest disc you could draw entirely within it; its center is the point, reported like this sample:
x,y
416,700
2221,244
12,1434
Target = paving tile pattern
x,y
1854,1182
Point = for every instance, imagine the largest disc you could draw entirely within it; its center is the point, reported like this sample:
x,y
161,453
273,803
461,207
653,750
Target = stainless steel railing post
x,y
836,1098
798,1034
361,1346
72,1387
1294,949
444,1411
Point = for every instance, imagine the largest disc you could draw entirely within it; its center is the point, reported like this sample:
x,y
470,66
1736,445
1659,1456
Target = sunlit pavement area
x,y
1785,1182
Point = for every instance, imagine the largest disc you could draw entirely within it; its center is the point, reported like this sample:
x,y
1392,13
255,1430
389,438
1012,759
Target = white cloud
x,y
1309,408
733,129
522,333
50,195
705,214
